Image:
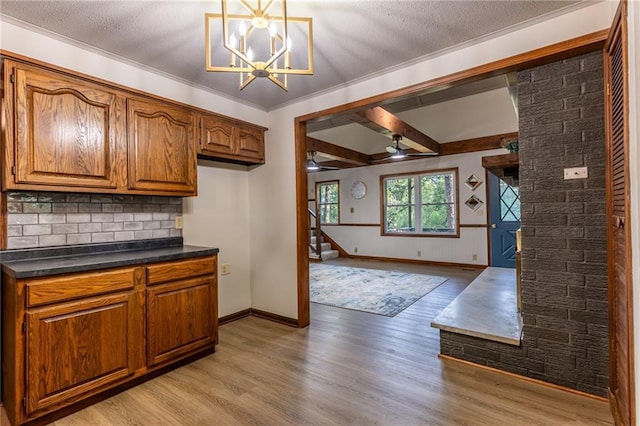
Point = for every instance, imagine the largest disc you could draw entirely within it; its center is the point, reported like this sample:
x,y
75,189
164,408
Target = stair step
x,y
329,254
323,247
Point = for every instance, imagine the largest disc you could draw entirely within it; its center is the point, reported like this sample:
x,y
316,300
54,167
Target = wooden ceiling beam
x,y
485,143
336,152
381,120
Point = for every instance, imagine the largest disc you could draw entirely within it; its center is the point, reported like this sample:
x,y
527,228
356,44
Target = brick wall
x,y
43,219
564,257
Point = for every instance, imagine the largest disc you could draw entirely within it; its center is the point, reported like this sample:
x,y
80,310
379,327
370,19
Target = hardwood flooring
x,y
347,368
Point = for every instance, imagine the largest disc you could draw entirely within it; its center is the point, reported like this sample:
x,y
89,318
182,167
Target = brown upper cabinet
x,y
225,139
162,153
66,132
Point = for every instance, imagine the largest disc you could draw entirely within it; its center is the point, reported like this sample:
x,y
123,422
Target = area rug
x,y
369,290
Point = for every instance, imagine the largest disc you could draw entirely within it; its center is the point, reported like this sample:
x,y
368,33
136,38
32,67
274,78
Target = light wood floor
x,y
347,368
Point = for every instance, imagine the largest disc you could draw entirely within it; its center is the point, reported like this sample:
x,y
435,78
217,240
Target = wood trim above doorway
x,y
562,50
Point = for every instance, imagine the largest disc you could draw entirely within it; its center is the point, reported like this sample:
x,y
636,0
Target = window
x,y
328,197
424,204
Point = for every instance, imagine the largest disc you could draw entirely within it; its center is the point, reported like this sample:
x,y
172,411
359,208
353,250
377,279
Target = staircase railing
x,y
315,224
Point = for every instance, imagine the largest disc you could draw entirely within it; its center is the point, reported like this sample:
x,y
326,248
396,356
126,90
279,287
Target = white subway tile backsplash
x,y
133,226
78,217
78,239
160,233
52,240
21,242
89,208
14,230
112,226
151,225
116,208
142,217
65,207
36,207
124,236
43,219
52,218
90,227
142,235
102,217
64,228
102,237
36,230
22,219
160,216
78,198
123,217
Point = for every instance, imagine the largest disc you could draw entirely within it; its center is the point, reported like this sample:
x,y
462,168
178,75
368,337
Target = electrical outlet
x,y
352,210
179,222
419,253
576,173
355,250
474,257
225,269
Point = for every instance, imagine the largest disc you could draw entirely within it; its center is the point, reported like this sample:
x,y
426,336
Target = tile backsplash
x,y
45,219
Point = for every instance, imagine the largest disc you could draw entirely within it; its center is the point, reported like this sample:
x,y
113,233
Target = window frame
x,y
318,204
417,203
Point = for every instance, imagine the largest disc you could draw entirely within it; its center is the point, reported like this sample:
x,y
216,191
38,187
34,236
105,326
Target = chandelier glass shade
x,y
256,39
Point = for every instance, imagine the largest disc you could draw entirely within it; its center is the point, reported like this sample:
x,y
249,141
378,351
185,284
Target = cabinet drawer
x,y
41,291
171,271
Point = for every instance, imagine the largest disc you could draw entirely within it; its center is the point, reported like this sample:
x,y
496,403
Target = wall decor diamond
x,y
473,182
474,203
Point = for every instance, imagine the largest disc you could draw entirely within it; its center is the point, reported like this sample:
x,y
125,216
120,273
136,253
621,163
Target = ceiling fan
x,y
397,153
314,166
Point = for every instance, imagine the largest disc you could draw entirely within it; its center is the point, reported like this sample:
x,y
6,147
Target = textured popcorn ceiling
x,y
352,38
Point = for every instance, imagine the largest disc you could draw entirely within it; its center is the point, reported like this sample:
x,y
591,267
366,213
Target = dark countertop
x,y
94,257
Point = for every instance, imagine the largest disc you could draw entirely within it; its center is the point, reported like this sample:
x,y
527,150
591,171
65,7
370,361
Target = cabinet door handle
x,y
494,226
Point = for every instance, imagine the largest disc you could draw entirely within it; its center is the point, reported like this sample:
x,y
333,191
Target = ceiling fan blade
x,y
329,167
422,154
391,149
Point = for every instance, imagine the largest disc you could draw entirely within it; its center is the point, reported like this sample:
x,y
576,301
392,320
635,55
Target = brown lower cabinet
x,y
66,338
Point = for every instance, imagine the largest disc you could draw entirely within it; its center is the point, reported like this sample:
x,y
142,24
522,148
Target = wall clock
x,y
358,190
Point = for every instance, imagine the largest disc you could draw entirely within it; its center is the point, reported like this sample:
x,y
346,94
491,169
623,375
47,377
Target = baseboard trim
x,y
274,317
525,378
416,261
259,314
234,316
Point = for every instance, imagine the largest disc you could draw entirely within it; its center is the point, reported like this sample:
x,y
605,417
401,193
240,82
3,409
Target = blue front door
x,y
504,213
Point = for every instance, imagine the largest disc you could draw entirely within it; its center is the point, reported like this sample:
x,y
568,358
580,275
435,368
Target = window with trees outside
x,y
420,204
328,196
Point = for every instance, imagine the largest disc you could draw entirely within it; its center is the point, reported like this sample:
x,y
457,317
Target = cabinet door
x,y
251,143
162,156
181,318
216,136
76,348
68,132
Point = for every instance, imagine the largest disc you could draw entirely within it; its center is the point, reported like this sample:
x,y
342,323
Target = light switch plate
x,y
576,173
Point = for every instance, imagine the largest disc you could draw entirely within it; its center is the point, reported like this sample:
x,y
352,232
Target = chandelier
x,y
259,39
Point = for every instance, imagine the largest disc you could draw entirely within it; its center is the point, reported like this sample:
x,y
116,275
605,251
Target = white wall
x,y
369,242
272,186
219,217
634,160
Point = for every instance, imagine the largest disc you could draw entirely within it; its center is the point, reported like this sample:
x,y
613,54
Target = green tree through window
x,y
328,196
423,204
